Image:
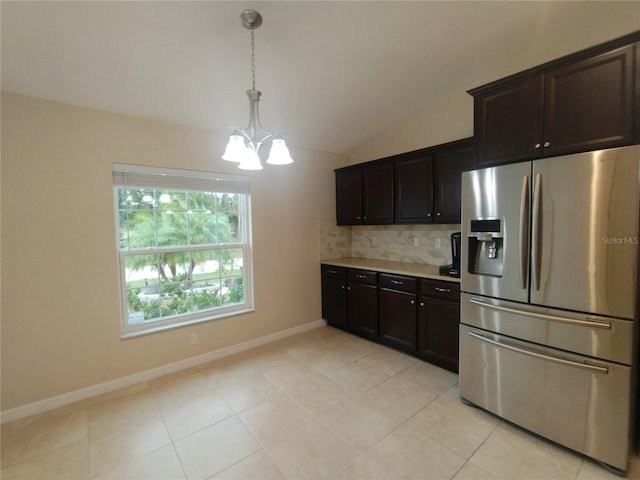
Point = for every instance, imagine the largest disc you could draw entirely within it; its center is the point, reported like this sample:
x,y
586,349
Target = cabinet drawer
x,y
398,282
332,271
444,290
362,276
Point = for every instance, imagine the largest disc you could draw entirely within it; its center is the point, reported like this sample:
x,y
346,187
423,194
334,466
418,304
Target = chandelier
x,y
244,144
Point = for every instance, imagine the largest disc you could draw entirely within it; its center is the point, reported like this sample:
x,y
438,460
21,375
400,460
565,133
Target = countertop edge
x,y
421,270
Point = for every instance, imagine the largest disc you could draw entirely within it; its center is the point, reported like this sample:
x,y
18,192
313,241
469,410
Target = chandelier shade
x,y
244,143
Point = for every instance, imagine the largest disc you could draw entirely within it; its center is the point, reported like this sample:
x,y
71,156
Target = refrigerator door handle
x,y
524,237
594,367
535,233
592,323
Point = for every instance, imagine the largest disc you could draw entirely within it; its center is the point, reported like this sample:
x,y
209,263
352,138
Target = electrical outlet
x,y
438,242
194,338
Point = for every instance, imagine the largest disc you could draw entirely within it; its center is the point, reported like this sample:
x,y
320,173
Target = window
x,y
184,247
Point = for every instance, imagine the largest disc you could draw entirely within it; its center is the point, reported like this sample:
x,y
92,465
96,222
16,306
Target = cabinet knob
x,y
546,144
358,217
537,146
348,288
413,302
342,286
364,218
438,214
428,214
422,304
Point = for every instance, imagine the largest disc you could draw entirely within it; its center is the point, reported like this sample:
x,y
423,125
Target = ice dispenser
x,y
486,247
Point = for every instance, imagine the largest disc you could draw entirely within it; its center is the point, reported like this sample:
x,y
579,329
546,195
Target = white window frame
x,y
137,176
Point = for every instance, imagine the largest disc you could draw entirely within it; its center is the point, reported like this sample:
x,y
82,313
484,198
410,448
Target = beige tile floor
x,y
323,404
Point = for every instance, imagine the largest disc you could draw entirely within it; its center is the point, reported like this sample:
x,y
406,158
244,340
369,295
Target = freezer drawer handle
x,y
586,366
593,323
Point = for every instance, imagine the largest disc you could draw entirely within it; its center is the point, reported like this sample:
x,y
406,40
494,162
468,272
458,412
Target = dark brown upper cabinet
x,y
449,161
427,183
414,188
422,186
581,102
364,194
349,196
377,193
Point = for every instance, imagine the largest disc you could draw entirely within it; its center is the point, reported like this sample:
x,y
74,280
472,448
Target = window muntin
x,y
184,251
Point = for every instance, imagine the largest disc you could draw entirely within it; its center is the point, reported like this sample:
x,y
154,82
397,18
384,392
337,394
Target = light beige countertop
x,y
422,270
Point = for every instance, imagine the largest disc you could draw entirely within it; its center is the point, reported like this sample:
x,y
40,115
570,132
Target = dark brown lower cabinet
x,y
417,316
398,319
334,296
362,310
362,302
398,307
438,323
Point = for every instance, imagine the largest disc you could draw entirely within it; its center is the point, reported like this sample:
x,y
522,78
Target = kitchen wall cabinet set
x,y
419,316
422,186
586,101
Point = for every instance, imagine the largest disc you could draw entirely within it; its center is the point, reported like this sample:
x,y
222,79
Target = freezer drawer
x,y
591,335
572,400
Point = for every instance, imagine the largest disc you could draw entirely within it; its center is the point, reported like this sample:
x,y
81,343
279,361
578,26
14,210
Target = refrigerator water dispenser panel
x,y
485,247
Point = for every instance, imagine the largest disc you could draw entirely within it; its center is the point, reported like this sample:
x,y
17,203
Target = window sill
x,y
147,330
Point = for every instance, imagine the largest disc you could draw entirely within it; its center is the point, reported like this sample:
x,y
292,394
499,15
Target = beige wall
x,y
449,120
60,316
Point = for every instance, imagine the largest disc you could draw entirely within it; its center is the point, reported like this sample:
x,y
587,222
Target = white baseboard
x,y
101,388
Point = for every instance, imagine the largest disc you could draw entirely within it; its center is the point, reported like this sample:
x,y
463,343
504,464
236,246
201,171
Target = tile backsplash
x,y
430,244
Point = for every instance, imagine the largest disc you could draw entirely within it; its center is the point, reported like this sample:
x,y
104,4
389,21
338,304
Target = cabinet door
x,y
589,104
362,309
334,301
438,334
448,165
414,189
508,122
377,189
398,322
349,196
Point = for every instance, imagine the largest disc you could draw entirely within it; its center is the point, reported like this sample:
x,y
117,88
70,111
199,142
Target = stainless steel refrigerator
x,y
549,308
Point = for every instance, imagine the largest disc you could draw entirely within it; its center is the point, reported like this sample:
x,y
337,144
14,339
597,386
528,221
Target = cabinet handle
x,y
397,282
546,144
438,289
537,146
360,276
333,271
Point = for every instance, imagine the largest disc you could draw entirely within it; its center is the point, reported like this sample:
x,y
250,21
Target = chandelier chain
x,y
253,63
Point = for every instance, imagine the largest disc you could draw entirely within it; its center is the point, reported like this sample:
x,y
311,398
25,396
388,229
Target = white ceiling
x,y
334,75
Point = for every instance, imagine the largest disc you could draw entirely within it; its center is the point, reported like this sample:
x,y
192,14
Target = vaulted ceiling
x,y
334,75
